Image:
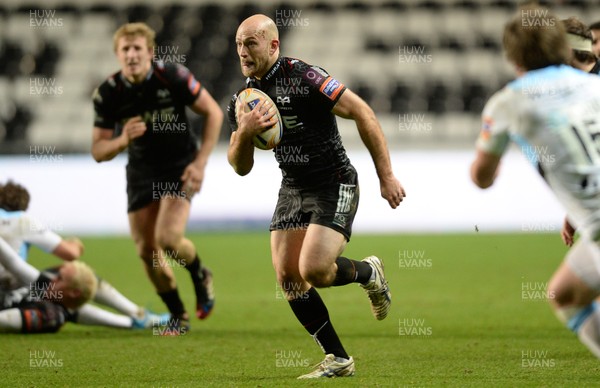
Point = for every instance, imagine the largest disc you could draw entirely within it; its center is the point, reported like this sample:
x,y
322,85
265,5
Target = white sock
x,y
10,321
589,331
107,295
585,322
92,315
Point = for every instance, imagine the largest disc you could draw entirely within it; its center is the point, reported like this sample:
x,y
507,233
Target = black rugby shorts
x,y
330,205
142,191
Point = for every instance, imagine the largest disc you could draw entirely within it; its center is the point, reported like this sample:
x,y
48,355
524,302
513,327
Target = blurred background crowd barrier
x,y
426,67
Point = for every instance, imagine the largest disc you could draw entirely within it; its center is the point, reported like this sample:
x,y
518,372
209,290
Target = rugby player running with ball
x,y
319,193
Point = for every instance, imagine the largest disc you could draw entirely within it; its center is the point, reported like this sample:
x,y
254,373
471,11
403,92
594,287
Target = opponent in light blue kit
x,y
552,112
580,40
19,231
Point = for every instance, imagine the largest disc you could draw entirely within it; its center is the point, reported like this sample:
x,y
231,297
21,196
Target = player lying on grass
x,y
21,231
552,111
48,300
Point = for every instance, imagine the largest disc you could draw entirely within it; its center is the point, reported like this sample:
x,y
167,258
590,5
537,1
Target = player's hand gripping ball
x,y
271,136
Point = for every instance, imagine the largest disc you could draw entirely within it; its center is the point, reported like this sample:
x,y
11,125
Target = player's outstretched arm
x,y
105,147
484,169
69,249
10,260
38,235
351,106
241,149
204,105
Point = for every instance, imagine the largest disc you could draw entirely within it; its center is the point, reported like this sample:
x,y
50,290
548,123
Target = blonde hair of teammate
x,y
535,38
84,280
132,30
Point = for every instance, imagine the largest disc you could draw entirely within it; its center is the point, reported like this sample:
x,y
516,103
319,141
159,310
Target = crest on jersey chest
x,y
287,92
282,100
163,95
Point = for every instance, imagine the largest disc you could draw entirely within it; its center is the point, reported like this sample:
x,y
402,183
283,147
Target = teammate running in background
x,y
553,110
142,108
319,193
21,231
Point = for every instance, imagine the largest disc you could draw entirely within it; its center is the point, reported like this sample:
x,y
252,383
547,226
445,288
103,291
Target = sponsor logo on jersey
x,y
291,122
331,88
320,71
273,70
316,77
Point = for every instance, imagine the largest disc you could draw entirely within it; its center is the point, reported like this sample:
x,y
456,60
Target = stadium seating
x,y
437,58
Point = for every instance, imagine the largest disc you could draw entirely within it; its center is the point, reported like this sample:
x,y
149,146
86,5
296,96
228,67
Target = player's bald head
x,y
260,26
257,41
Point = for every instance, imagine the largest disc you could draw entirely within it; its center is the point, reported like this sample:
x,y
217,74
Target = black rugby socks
x,y
313,315
195,269
351,271
173,302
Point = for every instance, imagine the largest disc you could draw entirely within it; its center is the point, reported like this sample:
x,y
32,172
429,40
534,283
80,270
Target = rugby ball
x,y
271,136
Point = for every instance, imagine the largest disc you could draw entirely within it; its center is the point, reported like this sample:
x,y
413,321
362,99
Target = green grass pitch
x,y
468,311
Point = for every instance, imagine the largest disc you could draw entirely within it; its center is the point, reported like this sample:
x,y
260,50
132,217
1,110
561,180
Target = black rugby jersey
x,y
160,100
310,152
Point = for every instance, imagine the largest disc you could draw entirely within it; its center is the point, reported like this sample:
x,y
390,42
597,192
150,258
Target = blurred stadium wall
x,y
426,67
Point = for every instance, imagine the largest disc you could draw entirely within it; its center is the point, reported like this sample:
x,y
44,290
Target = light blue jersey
x,y
553,115
21,231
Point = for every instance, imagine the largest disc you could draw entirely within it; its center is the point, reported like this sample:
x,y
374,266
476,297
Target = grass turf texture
x,y
465,313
